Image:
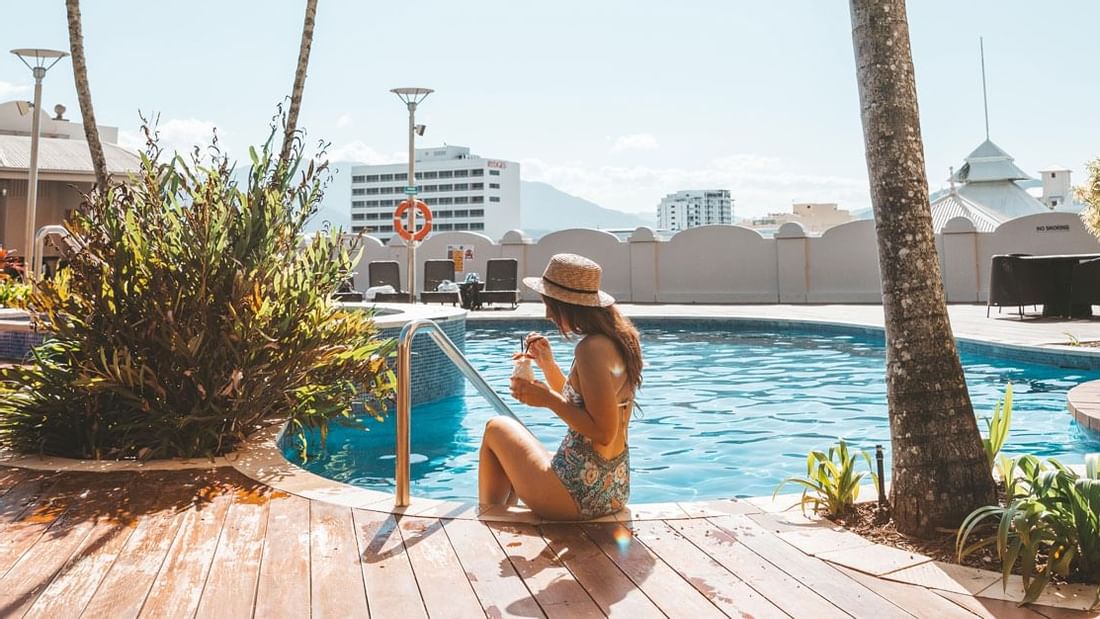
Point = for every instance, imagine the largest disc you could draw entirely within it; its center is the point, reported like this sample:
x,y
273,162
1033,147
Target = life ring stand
x,y
399,220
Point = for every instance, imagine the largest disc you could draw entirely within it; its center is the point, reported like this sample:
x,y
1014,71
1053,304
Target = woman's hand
x,y
538,348
534,393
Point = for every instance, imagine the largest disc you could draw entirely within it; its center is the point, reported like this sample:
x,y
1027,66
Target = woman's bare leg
x,y
514,464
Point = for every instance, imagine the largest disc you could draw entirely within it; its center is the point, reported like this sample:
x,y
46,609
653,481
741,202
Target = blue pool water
x,y
726,411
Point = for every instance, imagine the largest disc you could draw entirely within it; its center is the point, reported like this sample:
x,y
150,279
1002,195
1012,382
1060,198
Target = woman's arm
x,y
539,348
595,363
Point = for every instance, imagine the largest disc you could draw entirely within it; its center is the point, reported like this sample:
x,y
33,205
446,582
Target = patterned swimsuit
x,y
598,486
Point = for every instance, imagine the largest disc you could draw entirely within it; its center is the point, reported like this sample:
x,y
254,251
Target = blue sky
x,y
617,101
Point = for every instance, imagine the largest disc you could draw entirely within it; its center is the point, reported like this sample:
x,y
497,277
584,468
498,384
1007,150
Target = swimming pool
x,y
727,409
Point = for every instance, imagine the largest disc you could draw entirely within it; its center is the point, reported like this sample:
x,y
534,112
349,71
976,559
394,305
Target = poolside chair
x,y
501,281
347,294
386,273
435,273
1085,285
1016,281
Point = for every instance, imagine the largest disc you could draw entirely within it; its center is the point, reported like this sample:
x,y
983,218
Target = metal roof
x,y
60,158
952,205
988,162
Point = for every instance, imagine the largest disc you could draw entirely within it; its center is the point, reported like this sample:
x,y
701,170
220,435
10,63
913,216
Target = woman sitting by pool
x,y
589,476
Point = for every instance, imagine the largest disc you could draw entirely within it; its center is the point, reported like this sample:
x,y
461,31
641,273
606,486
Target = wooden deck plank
x,y
615,593
724,589
990,609
74,587
790,595
827,581
26,511
661,584
392,590
230,589
283,588
444,587
178,587
498,587
9,477
41,563
336,581
124,588
918,601
558,593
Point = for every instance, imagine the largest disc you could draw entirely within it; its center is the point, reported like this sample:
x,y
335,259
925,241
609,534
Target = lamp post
x,y
411,97
38,61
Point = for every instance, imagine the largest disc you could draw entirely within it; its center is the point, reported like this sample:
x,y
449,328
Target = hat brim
x,y
587,299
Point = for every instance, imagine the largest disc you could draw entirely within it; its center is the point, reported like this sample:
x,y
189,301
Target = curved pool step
x,y
1084,404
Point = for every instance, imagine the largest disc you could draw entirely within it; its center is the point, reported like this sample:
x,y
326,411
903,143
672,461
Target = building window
x,y
358,192
358,204
385,177
443,214
461,186
1052,174
372,191
494,172
477,199
462,200
477,172
358,216
427,175
477,212
400,177
443,227
372,178
494,198
374,215
446,187
443,201
462,213
476,186
357,228
461,173
462,226
494,185
359,179
477,226
446,174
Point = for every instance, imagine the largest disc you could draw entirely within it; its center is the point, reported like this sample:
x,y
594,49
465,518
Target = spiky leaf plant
x,y
831,484
193,315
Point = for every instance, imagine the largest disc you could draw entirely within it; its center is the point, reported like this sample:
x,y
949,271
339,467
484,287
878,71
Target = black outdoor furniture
x,y
471,294
435,273
386,273
501,282
1063,284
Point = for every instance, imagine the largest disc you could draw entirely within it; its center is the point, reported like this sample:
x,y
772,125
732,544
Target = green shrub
x,y
831,483
998,427
194,316
13,293
1049,526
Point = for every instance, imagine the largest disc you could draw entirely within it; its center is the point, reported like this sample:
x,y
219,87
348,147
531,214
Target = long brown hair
x,y
584,320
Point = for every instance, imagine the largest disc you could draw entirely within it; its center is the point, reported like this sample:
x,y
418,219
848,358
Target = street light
x,y
411,97
38,61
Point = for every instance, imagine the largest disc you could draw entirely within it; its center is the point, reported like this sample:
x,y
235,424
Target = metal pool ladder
x,y
404,393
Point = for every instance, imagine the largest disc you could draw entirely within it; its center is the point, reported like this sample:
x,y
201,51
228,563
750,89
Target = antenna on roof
x,y
985,97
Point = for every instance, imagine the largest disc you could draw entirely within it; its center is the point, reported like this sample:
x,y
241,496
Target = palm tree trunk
x,y
84,95
940,473
299,81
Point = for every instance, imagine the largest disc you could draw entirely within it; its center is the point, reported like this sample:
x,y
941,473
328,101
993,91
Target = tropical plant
x,y
1048,526
193,315
1089,195
831,483
936,443
998,427
13,293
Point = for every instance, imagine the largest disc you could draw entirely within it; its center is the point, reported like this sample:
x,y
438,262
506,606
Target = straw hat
x,y
572,279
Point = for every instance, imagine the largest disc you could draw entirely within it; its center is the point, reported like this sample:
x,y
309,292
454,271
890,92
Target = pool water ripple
x,y
723,413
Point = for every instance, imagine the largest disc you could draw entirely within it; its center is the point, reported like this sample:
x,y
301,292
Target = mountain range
x,y
543,207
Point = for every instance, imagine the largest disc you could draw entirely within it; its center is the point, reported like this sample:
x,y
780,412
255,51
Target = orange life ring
x,y
399,220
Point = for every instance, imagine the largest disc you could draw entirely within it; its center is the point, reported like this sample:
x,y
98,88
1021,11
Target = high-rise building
x,y
464,192
688,209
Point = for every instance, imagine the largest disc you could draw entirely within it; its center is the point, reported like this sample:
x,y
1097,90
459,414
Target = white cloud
x,y
359,152
758,184
8,89
344,121
634,141
181,135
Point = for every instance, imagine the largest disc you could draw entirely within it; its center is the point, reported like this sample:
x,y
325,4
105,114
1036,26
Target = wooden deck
x,y
216,544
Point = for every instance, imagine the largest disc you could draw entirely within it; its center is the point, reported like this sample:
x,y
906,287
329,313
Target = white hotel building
x,y
688,209
463,191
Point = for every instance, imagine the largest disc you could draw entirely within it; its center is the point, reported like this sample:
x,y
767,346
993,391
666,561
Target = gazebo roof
x,y
988,162
60,159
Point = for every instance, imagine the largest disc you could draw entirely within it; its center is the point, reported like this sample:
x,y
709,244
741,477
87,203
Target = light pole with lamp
x,y
38,61
411,97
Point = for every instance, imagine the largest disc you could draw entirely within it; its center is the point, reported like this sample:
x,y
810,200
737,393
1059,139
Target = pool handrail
x,y
37,259
404,394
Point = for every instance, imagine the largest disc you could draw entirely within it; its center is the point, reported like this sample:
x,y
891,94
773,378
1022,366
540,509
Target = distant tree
x,y
940,473
299,80
1089,195
84,95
